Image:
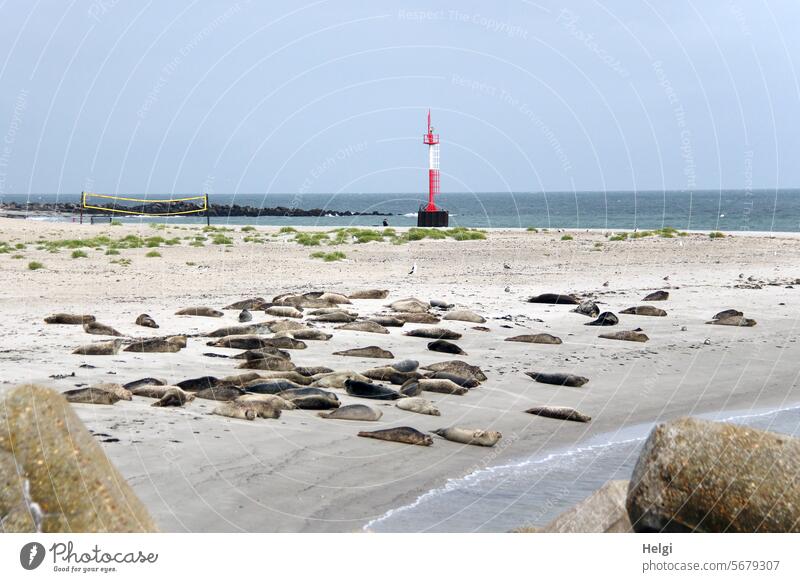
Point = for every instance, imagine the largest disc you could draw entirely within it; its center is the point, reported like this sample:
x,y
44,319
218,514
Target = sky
x,y
123,96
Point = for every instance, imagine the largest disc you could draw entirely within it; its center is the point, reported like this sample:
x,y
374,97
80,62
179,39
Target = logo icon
x,y
31,555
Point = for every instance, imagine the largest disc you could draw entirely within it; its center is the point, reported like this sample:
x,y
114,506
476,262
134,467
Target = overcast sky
x,y
331,96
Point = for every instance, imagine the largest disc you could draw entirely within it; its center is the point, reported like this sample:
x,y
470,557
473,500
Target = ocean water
x,y
533,491
727,210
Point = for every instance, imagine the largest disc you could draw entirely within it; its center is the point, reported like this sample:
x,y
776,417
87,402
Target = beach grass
x,y
329,257
567,237
79,254
35,266
153,254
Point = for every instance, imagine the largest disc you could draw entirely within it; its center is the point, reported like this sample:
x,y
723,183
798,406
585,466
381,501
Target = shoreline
x,y
197,472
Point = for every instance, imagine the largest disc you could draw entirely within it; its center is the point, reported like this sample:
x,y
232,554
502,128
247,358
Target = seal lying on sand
x,y
389,374
367,326
558,378
411,388
459,368
538,338
446,347
272,400
442,386
238,330
174,396
369,294
197,384
284,311
559,412
292,375
405,365
401,434
122,392
144,382
605,318
239,410
200,312
554,298
312,370
645,310
387,321
254,303
97,328
109,348
434,333
273,386
146,321
152,390
373,391
657,296
418,405
337,379
311,398
728,313
69,319
628,336
410,305
733,320
353,412
158,345
440,304
268,363
588,308
464,315
334,317
222,393
311,334
470,436
244,342
427,318
367,352
262,353
91,395
456,379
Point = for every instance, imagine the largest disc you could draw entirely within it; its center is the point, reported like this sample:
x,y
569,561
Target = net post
x,y
83,202
208,215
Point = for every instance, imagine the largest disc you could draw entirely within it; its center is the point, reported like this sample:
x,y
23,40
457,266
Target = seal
x,y
312,370
242,342
353,412
158,345
605,318
554,298
200,312
144,382
389,374
648,310
223,393
459,368
400,434
368,390
440,304
274,386
411,388
442,386
311,398
470,436
262,353
538,338
271,363
239,379
254,303
628,336
410,305
331,297
456,379
734,320
69,319
588,308
728,313
146,321
366,326
109,348
152,390
464,315
558,378
367,352
284,311
311,334
122,392
428,318
91,395
418,405
273,400
334,317
197,384
446,347
327,310
337,379
262,408
292,375
238,330
657,296
434,333
369,294
235,410
174,396
97,328
405,366
387,321
559,413
245,316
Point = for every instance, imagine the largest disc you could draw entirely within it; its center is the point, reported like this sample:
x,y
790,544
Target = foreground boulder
x,y
699,475
602,512
54,476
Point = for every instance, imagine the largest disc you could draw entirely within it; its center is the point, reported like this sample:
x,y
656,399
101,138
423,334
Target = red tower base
x,y
432,218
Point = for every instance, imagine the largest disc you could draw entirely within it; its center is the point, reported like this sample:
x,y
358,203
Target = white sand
x,y
198,472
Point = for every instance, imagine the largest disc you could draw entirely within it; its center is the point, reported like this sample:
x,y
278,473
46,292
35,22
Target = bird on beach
x,y
413,269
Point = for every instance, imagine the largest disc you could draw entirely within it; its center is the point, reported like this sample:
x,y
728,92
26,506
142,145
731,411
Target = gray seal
x,y
400,434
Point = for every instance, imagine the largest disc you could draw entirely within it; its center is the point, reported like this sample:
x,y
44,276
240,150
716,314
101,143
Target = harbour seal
x,y
292,375
272,363
366,326
628,336
174,396
146,321
337,379
158,345
648,310
353,412
728,313
310,334
538,338
442,386
97,328
418,405
152,390
464,315
470,436
427,318
369,390
238,330
456,379
445,347
91,395
334,317
262,408
605,318
233,409
255,303
389,374
657,296
311,398
118,389
554,298
284,311
387,321
559,413
410,305
69,319
222,393
144,382
109,348
367,352
245,316
400,434
440,304
239,379
200,312
273,400
733,320
197,384
405,365
273,386
262,353
369,294
313,370
327,310
458,367
558,378
588,308
411,388
434,333
242,342
331,297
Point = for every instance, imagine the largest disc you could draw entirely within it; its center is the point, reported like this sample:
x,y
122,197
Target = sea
x,y
725,210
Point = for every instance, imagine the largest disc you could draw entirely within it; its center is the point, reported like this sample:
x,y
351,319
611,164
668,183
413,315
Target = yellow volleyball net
x,y
105,203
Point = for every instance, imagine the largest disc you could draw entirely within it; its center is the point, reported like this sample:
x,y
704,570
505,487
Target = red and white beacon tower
x,y
431,215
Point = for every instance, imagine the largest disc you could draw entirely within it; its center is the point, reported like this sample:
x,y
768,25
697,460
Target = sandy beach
x,y
202,473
